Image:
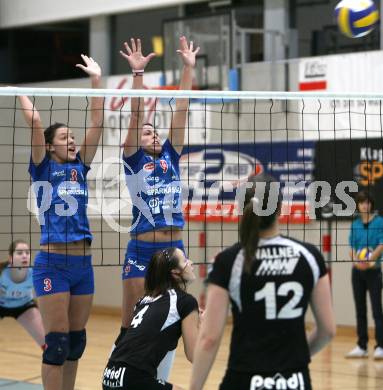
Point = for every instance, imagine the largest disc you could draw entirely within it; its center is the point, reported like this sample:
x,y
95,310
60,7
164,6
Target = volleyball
x,y
363,256
356,18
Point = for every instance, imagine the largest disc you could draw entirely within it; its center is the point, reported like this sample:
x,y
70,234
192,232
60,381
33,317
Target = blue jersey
x,y
155,189
15,294
62,198
368,235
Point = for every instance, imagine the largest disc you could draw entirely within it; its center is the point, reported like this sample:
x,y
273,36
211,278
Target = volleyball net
x,y
321,148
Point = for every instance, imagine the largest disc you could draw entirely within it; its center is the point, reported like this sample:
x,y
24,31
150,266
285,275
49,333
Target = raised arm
x,y
32,117
210,334
93,133
137,62
177,127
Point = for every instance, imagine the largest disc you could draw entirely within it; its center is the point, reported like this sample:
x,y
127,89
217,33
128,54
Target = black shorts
x,y
297,380
120,376
16,312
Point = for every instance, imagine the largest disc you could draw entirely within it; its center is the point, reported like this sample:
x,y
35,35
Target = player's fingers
x,y
81,66
151,55
124,55
127,48
183,43
133,44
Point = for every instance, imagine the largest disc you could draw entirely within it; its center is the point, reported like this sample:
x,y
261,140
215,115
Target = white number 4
x,y
289,310
137,319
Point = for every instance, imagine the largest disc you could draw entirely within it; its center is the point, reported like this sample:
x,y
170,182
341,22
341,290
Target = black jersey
x,y
154,330
269,304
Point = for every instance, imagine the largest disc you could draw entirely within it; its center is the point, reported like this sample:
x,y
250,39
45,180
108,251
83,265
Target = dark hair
x,y
12,247
252,223
364,195
50,132
159,277
152,126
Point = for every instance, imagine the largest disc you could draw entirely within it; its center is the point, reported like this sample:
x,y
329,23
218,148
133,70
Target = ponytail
x,y
253,222
249,234
159,277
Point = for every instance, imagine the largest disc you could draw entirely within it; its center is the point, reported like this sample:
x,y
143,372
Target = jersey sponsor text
x,y
295,381
114,378
277,266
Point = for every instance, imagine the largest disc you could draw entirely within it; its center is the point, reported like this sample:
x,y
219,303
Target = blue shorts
x,y
139,253
55,273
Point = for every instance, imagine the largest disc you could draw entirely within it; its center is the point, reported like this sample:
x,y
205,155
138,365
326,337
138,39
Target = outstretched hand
x,y
187,52
91,66
134,56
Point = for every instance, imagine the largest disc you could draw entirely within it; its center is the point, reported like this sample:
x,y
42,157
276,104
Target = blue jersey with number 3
x,y
62,198
155,189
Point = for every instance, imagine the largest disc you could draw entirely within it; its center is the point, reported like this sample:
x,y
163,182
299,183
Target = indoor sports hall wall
x,y
17,13
254,124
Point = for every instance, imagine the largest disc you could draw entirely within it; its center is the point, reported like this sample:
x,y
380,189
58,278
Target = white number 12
x,y
289,310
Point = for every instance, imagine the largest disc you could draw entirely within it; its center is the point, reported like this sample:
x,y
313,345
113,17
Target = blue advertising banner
x,y
213,172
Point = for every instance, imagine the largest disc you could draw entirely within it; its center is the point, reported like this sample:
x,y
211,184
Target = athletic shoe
x,y
358,352
378,353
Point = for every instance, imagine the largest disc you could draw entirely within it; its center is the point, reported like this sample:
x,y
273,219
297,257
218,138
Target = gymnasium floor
x,y
20,361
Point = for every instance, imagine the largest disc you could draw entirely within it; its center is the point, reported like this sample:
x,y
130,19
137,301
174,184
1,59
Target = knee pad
x,y
57,348
77,343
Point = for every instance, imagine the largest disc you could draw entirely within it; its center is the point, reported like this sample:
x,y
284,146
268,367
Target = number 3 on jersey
x,y
137,319
289,310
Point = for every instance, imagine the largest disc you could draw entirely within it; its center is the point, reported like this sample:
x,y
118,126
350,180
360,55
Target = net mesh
x,y
321,148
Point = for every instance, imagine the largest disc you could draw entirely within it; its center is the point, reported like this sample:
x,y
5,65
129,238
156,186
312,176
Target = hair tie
x,y
165,253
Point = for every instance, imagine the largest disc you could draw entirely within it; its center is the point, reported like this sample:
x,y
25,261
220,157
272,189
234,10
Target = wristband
x,y
138,72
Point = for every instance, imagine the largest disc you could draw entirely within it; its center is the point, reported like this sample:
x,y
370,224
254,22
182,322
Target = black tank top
x,y
154,330
270,303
